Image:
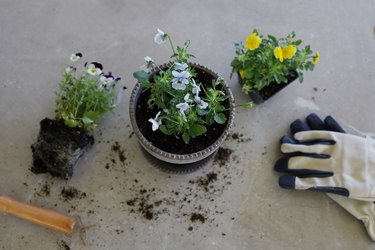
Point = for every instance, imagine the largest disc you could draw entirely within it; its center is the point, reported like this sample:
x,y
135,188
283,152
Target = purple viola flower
x,y
75,57
70,69
106,80
95,69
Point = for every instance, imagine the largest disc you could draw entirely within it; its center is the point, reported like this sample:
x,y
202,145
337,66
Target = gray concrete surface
x,y
244,208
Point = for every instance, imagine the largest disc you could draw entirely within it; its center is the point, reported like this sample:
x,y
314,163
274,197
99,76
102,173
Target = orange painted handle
x,y
38,215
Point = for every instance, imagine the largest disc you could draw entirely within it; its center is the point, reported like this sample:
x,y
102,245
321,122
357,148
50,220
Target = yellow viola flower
x,y
316,58
278,53
242,73
253,41
289,51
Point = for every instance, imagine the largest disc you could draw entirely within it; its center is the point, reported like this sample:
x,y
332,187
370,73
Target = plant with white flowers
x,y
186,108
83,99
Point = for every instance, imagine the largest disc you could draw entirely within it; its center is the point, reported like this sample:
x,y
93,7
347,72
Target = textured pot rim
x,y
181,158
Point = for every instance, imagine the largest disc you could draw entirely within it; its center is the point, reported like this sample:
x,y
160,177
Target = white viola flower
x,y
69,69
197,99
183,107
180,80
75,57
219,80
187,98
94,70
196,89
183,117
180,66
155,122
106,80
148,59
167,111
178,86
160,37
203,104
150,64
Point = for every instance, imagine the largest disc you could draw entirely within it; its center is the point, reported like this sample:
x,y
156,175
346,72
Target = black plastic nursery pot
x,y
272,89
168,151
58,148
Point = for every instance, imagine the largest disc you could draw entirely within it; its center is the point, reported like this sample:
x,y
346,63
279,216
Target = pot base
x,y
177,168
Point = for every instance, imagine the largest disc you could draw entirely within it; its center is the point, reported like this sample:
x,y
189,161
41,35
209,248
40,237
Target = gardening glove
x,y
361,210
330,162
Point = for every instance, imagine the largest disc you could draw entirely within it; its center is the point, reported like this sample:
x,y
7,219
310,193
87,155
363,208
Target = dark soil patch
x,y
171,143
58,148
235,136
63,245
239,138
121,153
206,181
70,193
144,204
196,201
45,190
196,217
223,156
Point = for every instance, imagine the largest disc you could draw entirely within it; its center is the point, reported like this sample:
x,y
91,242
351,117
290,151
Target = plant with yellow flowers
x,y
263,61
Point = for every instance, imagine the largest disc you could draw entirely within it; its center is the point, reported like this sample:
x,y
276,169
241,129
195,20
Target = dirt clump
x,y
223,156
70,193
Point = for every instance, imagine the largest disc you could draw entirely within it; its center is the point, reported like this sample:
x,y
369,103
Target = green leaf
x,y
296,43
141,76
308,49
87,120
92,115
186,44
197,130
300,77
164,129
273,39
220,118
202,112
235,63
248,105
186,137
70,123
292,35
159,102
256,30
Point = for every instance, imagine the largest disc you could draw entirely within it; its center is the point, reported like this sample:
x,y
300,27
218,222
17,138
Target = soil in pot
x,y
58,148
271,89
170,143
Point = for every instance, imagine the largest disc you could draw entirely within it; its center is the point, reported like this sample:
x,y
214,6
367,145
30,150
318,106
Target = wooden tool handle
x,y
38,215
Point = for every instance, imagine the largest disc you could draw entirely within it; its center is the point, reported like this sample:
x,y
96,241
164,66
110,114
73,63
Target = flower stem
x,y
170,42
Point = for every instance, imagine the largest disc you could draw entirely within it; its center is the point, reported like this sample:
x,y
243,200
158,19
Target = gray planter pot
x,y
172,160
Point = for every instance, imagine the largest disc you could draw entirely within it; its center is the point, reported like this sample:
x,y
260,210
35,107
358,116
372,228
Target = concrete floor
x,y
244,208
